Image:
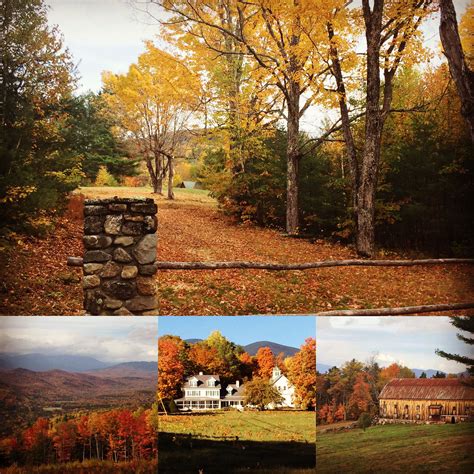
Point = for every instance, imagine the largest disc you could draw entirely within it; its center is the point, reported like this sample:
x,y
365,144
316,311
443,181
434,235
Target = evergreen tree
x,y
464,323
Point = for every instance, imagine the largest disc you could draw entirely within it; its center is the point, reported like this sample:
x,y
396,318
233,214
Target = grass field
x,y
398,448
277,442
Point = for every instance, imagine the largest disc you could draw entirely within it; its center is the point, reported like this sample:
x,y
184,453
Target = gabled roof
x,y
236,394
428,389
202,379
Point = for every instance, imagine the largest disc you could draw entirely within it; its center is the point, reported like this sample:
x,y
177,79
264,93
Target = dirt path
x,y
191,228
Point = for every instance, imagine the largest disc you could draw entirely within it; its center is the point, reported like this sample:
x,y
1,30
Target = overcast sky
x,y
411,341
243,330
109,34
107,338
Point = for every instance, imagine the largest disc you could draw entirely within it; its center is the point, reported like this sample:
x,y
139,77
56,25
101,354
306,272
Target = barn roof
x,y
428,389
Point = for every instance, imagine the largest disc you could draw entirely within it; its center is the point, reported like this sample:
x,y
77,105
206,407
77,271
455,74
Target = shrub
x,y
104,178
364,421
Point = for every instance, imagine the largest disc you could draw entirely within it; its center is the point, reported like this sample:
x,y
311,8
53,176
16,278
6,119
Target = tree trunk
x,y
292,217
156,175
170,178
345,119
463,77
373,125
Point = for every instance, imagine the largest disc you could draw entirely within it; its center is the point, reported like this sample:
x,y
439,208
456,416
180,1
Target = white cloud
x,y
411,341
111,339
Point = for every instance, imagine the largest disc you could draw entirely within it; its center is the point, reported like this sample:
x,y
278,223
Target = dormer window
x,y
193,382
211,382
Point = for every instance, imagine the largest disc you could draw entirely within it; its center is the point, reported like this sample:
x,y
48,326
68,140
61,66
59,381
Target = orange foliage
x,y
170,366
265,362
302,373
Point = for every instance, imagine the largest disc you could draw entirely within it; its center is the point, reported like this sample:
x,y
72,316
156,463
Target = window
x,y
192,393
193,383
210,383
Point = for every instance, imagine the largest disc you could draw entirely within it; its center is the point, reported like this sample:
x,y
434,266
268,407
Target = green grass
x,y
248,425
192,195
268,442
398,448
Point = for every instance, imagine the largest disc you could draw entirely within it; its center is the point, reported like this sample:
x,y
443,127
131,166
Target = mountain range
x,y
252,348
69,363
28,394
323,368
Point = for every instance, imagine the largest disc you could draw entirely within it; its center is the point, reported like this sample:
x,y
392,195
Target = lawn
x,y
248,425
398,448
231,441
35,279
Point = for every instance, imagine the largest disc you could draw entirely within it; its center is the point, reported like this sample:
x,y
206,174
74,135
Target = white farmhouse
x,y
205,392
285,387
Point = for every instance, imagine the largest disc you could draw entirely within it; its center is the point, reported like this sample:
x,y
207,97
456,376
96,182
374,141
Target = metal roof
x,y
428,389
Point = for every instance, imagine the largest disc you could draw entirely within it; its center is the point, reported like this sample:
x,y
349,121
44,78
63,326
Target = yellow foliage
x,y
17,193
466,31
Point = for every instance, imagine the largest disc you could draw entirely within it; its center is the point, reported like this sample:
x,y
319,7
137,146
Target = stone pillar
x,y
119,256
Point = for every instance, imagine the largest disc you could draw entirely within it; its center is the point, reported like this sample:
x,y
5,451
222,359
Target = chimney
x,y
237,384
200,373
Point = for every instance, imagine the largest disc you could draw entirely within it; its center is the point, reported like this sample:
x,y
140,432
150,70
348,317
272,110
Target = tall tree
x,y
171,366
265,362
155,101
36,80
464,323
302,374
360,400
90,132
280,38
459,67
391,30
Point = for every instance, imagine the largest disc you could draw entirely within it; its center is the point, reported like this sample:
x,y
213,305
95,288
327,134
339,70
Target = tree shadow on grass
x,y
187,454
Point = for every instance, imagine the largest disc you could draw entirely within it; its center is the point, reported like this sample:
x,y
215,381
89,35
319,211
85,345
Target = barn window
x,y
454,411
418,412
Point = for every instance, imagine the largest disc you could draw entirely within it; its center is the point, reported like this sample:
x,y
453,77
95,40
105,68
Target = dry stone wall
x,y
119,258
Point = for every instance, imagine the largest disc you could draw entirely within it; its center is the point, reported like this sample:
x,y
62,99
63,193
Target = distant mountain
x,y
43,362
26,394
71,363
323,368
129,369
255,346
429,372
275,347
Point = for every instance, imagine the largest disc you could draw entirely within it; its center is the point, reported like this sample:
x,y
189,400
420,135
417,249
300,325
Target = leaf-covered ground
x,y
36,280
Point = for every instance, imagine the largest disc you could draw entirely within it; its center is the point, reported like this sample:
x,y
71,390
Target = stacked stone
x,y
119,259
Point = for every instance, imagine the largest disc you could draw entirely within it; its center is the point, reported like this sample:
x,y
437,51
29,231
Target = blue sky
x,y
107,338
411,341
287,330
